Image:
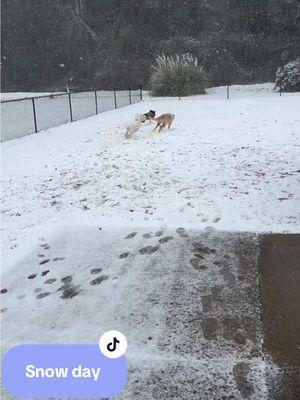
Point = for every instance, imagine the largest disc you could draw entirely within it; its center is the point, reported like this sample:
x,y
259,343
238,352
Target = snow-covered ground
x,y
90,229
232,164
171,306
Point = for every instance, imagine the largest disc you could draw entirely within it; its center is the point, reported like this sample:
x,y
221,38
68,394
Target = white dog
x,y
135,126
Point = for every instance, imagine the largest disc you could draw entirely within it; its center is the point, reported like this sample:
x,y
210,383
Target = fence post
x,y
129,90
280,90
70,105
34,116
141,93
96,102
227,92
115,97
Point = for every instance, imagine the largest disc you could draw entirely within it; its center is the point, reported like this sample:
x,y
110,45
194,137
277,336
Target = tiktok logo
x,y
113,344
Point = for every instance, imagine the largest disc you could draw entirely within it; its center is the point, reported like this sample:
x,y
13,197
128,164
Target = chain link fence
x,y
227,91
21,117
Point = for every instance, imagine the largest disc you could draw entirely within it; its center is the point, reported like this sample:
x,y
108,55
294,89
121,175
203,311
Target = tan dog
x,y
163,121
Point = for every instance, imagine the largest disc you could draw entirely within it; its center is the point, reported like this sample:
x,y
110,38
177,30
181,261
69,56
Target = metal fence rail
x,y
21,117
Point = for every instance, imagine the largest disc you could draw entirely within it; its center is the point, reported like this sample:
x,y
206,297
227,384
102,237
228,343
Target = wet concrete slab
x,y
279,270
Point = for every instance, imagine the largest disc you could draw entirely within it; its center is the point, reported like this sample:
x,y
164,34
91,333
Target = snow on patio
x,y
231,164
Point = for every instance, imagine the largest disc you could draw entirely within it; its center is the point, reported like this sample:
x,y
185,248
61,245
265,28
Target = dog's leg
x,y
127,134
162,127
157,125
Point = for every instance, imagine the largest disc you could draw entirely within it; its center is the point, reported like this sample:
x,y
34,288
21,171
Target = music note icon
x,y
113,344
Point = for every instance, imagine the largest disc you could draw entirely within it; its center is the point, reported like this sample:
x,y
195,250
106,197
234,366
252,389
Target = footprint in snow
x,y
44,261
197,264
149,249
131,235
124,255
182,233
67,279
98,280
49,281
42,295
165,239
95,271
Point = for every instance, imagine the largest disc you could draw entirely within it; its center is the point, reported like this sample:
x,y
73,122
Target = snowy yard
x,y
127,234
230,164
